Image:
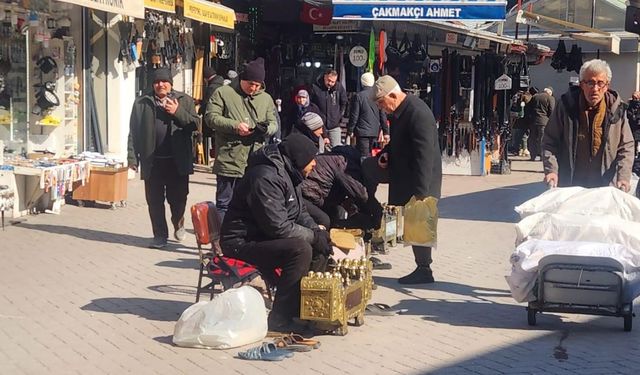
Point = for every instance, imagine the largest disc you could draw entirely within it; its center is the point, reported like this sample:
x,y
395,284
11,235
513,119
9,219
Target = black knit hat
x,y
254,71
162,74
299,149
208,72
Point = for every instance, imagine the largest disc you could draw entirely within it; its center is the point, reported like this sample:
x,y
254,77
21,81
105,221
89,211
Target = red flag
x,y
316,15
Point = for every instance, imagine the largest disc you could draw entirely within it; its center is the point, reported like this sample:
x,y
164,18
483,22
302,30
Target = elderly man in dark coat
x,y
161,128
411,162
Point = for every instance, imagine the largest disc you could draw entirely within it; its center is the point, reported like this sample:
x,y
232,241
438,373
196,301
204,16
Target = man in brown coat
x,y
588,141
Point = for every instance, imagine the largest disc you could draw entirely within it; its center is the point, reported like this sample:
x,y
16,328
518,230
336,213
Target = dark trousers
x,y
293,256
535,141
317,214
374,175
165,182
365,145
224,193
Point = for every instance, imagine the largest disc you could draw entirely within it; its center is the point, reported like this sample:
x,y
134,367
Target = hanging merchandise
x,y
524,73
382,46
574,59
558,61
372,51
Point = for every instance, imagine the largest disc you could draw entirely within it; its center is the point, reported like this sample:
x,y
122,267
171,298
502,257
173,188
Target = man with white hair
x,y
411,162
366,119
539,110
588,141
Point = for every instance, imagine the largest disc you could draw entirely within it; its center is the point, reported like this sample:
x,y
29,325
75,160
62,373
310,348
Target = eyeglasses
x,y
591,84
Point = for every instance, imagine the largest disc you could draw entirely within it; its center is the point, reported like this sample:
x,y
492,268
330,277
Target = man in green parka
x,y
243,117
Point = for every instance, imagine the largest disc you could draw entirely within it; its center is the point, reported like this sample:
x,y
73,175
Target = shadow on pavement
x,y
167,340
475,307
102,236
150,309
184,263
490,205
563,348
178,290
203,183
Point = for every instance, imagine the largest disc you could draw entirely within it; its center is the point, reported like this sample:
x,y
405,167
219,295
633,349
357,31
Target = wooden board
x,y
105,185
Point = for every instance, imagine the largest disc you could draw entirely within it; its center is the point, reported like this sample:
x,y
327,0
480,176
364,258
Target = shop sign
x,y
132,8
168,6
503,83
451,38
401,10
484,43
358,56
242,17
338,26
434,66
211,13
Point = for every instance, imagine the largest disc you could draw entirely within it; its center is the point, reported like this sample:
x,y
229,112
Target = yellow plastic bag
x,y
421,222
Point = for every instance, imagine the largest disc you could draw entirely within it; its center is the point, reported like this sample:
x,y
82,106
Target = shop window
x,y
13,87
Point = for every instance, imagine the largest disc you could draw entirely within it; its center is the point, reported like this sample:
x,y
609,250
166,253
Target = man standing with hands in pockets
x,y
411,162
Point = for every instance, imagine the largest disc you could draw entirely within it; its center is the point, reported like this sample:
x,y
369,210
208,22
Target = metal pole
x,y
593,13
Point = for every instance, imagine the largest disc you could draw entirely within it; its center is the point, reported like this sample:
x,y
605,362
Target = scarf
x,y
598,111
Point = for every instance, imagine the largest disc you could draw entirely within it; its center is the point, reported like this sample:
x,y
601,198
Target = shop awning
x,y
406,10
211,13
131,8
167,6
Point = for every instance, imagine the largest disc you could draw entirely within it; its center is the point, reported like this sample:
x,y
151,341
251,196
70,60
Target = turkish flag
x,y
316,15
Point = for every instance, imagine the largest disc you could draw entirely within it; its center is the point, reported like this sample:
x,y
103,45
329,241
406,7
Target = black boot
x,y
421,275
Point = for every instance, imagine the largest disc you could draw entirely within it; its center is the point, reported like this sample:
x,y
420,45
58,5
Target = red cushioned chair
x,y
223,272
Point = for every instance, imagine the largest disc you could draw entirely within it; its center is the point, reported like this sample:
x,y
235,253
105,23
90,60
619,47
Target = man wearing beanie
x,y
301,106
311,126
243,117
411,163
267,224
212,82
160,143
366,119
331,98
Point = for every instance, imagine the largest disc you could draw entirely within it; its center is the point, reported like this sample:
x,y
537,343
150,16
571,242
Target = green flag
x,y
372,51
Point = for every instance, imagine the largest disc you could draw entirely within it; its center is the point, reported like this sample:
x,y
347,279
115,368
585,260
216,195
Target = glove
x,y
261,128
322,242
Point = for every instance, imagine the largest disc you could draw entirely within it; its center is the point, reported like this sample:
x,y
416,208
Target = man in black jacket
x,y
331,99
366,119
411,162
212,82
161,126
267,224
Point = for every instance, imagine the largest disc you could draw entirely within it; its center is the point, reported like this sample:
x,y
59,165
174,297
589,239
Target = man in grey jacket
x,y
588,141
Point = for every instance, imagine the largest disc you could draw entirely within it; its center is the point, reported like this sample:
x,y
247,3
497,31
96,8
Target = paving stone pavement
x,y
81,294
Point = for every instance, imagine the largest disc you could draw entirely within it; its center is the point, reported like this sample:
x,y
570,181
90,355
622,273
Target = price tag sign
x,y
358,56
503,83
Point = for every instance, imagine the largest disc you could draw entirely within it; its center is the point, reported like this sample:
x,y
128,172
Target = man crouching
x,y
268,225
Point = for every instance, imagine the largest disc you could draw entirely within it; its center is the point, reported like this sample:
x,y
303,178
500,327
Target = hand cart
x,y
581,285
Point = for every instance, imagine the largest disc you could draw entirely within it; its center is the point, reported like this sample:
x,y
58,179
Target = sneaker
x,y
158,243
421,275
180,233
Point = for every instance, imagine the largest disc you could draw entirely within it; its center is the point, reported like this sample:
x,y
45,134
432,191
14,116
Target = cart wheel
x,y
81,203
341,331
123,204
531,316
628,322
359,320
113,206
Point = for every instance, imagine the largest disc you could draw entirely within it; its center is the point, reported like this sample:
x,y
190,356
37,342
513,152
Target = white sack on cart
x,y
573,227
525,259
577,200
234,318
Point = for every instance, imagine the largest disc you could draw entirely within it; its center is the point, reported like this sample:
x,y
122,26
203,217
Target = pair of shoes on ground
x,y
421,275
282,347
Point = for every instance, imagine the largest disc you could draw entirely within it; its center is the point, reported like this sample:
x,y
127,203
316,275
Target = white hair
x,y
548,90
595,66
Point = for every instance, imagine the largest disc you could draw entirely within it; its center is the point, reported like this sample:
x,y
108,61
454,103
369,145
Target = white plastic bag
x,y
234,318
